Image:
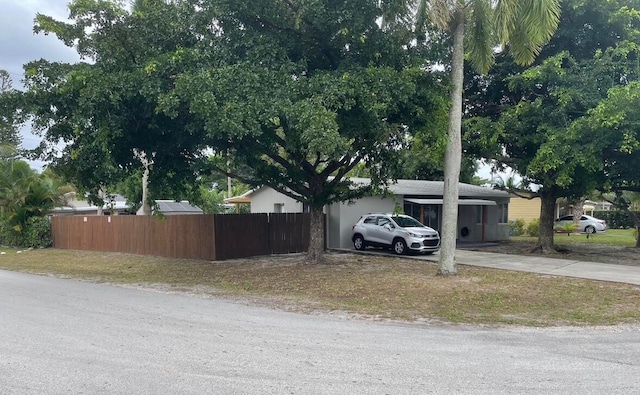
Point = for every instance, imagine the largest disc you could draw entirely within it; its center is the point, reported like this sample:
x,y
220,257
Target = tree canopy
x,y
9,133
106,109
524,117
293,94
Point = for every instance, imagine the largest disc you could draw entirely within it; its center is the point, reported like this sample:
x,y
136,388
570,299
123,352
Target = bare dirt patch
x,y
615,255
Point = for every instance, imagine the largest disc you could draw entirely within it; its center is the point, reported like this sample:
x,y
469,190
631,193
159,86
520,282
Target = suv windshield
x,y
407,222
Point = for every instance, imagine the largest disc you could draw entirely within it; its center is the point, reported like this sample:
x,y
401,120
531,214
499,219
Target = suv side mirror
x,y
388,226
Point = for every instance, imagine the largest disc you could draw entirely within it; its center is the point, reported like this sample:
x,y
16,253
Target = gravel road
x,y
65,336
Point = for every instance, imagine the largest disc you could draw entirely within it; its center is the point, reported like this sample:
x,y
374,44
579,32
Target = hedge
x,y
616,219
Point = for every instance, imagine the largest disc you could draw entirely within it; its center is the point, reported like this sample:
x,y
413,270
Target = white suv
x,y
401,233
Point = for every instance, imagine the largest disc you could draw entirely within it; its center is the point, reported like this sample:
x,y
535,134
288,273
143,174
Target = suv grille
x,y
430,242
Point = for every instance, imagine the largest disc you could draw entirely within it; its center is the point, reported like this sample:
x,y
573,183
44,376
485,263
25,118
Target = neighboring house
x,y
117,205
238,201
114,205
529,209
525,209
171,207
482,214
590,206
564,207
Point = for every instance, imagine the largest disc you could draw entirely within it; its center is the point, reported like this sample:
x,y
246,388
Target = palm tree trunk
x,y
453,153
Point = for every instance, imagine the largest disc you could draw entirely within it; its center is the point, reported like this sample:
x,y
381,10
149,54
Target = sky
x,y
19,45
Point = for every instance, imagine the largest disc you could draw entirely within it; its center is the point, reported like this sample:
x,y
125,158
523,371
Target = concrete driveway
x,y
63,336
533,264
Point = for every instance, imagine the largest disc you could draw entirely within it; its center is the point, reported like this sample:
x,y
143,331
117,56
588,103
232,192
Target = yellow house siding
x,y
520,208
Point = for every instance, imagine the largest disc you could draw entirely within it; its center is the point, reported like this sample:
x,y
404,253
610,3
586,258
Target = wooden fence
x,y
208,237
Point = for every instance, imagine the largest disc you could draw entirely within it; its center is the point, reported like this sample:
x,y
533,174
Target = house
x,y
117,205
529,209
482,213
114,205
524,208
171,207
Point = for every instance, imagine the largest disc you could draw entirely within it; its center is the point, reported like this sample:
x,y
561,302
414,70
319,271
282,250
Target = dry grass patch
x,y
376,286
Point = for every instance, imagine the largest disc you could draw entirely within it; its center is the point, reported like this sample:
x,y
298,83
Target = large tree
x,y
610,141
294,93
299,93
105,110
524,116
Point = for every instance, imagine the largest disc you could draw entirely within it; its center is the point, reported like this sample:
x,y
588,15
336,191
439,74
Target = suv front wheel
x,y
399,246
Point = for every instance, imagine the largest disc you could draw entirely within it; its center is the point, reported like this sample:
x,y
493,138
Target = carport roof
x,y
436,188
461,202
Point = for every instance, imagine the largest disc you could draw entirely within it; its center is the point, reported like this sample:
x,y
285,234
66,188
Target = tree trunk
x,y
547,217
453,153
315,253
100,210
145,209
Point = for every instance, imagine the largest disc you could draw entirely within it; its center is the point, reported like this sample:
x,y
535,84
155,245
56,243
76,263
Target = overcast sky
x,y
19,45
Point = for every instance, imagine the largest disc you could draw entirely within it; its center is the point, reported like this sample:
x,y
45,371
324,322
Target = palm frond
x,y
442,11
422,16
505,14
520,46
536,21
540,18
480,39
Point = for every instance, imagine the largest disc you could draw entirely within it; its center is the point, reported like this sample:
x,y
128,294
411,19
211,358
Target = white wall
x,y
264,199
493,231
342,217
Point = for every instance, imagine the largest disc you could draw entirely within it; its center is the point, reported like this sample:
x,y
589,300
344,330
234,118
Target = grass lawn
x,y
612,237
382,287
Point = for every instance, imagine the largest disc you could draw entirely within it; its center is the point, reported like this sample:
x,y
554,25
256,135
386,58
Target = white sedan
x,y
587,223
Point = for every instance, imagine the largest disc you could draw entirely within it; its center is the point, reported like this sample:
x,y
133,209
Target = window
x,y
277,208
371,220
479,210
503,213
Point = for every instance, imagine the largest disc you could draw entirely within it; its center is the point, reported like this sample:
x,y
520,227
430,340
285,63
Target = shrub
x,y
567,228
533,228
616,219
8,237
37,233
516,227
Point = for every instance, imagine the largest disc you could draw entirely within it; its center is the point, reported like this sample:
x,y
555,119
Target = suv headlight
x,y
410,234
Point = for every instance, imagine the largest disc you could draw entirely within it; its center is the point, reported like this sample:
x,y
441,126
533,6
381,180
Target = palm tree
x,y
477,28
24,194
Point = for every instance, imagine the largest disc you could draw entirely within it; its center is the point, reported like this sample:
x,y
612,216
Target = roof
x,y
170,206
244,198
75,205
409,187
436,188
